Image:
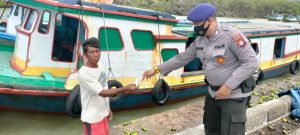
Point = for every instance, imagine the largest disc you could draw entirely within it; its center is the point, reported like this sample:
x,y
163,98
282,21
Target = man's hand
x,y
131,87
110,116
148,74
223,92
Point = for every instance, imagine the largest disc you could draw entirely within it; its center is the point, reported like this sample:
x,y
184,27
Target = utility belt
x,y
246,86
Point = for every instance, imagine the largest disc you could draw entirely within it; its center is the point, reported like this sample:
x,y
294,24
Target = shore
x,y
188,120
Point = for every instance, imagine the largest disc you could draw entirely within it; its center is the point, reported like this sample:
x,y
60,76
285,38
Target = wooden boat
x,y
8,30
39,73
36,74
276,44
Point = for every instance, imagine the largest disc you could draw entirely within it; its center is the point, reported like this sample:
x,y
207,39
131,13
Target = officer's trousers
x,y
224,117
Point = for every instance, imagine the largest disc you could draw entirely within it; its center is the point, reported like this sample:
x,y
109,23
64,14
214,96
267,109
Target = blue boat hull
x,y
56,104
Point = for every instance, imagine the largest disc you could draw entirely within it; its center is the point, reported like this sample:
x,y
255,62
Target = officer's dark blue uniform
x,y
228,60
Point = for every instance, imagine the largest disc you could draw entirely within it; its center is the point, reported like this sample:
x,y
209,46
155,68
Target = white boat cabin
x,y
47,40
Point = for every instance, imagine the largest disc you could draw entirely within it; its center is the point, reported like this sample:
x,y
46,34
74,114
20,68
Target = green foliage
x,y
228,8
2,4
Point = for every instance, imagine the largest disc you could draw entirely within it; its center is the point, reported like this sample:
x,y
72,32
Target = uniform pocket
x,y
218,52
200,54
218,56
238,124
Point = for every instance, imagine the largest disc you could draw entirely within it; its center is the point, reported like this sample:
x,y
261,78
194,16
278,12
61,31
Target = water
x,y
24,123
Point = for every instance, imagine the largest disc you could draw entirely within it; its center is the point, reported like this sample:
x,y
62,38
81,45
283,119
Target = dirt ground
x,y
176,120
284,126
269,90
165,123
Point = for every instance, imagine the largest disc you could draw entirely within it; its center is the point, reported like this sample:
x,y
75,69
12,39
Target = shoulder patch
x,y
239,40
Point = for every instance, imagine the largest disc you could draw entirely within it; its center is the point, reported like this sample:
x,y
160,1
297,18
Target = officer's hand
x,y
148,74
131,87
223,92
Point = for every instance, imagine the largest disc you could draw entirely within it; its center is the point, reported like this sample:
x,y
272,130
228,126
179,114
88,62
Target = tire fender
x,y
116,84
161,86
73,103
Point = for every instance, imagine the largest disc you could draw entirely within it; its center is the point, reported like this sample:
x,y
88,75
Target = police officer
x,y
228,60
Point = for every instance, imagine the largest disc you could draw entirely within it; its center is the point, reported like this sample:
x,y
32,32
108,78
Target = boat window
x,y
58,20
66,30
113,38
12,9
279,48
24,12
44,23
16,13
30,19
255,47
167,54
142,40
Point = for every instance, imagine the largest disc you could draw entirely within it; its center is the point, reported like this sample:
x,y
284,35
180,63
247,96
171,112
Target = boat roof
x,y
253,27
100,9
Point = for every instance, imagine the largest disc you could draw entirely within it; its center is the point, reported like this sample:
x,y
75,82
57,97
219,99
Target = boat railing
x,y
273,31
193,73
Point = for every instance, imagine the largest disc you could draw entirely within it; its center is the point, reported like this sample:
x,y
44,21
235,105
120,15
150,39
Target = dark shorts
x,y
224,117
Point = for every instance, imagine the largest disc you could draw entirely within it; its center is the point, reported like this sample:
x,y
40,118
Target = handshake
x,y
146,75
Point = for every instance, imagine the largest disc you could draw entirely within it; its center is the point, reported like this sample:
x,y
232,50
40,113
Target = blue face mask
x,y
201,30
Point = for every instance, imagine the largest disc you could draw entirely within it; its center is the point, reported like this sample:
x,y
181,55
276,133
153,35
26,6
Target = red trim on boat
x,y
168,37
174,88
271,34
291,54
55,3
33,92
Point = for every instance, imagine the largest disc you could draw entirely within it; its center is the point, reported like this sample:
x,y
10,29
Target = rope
x,y
4,10
79,26
297,43
158,41
106,41
259,50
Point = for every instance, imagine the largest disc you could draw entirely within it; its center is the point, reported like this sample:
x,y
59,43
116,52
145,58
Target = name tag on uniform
x,y
199,48
218,52
220,46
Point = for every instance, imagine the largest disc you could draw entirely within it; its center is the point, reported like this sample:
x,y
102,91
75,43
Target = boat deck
x,y
11,78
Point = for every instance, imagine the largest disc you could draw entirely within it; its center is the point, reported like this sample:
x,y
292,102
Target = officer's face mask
x,y
201,30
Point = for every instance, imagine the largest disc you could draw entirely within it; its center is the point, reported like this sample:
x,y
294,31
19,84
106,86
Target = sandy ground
x,y
176,120
165,123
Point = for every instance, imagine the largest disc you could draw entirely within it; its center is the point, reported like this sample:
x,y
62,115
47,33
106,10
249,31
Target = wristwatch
x,y
156,69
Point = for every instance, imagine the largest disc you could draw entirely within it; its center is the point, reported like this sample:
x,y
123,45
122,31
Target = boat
x,y
290,18
40,73
276,45
275,17
7,28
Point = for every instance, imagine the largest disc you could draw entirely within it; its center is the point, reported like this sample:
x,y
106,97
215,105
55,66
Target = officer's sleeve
x,y
241,47
178,60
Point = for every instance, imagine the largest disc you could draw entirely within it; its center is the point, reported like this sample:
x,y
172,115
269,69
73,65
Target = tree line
x,y
226,8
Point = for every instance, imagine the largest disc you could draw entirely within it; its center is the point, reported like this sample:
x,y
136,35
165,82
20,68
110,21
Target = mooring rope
x,y
106,41
159,45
